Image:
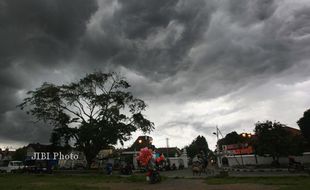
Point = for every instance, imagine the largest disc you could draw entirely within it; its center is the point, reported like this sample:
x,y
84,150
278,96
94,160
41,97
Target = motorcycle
x,y
295,167
153,176
148,159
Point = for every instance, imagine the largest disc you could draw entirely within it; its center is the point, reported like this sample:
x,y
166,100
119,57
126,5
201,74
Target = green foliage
x,y
233,138
304,125
211,155
96,112
198,145
20,154
275,139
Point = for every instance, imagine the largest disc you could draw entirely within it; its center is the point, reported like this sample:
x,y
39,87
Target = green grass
x,y
285,183
100,182
62,182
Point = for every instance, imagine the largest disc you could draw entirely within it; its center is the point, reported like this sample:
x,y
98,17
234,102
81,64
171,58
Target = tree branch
x,y
76,114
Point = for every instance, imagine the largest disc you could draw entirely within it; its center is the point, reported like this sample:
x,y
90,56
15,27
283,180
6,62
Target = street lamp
x,y
217,133
139,142
245,135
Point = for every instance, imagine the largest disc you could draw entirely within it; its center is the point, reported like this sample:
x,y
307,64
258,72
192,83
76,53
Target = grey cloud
x,y
250,12
234,53
180,132
20,127
142,35
35,36
222,45
37,33
170,50
42,30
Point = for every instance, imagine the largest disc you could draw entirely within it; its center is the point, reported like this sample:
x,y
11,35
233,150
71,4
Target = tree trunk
x,y
89,161
90,154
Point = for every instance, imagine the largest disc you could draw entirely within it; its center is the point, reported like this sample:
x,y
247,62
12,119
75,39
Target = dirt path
x,y
184,184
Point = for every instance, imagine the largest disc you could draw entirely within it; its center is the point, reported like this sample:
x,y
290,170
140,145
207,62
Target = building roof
x,y
146,141
294,131
39,147
171,151
6,153
45,148
141,142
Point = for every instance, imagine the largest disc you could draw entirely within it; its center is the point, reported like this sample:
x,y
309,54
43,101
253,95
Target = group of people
x,y
148,159
125,169
200,164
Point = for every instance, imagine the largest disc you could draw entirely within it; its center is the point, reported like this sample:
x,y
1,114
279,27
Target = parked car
x,y
79,166
11,166
37,166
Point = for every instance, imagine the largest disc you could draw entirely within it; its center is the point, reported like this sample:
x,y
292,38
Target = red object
x,y
247,150
145,155
149,173
161,158
238,149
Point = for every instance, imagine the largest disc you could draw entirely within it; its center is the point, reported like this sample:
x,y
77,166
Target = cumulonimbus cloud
x,y
172,51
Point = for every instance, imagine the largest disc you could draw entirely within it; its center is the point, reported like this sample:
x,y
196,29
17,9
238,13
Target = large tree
x,y
95,112
275,139
20,154
304,125
199,144
232,138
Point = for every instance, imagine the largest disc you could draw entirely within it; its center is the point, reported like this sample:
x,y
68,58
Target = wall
x,y
250,160
183,159
66,164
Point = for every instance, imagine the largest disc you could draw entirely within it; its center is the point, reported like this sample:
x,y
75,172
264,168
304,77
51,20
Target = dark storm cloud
x,y
42,30
212,47
170,50
248,41
20,127
251,12
35,35
150,37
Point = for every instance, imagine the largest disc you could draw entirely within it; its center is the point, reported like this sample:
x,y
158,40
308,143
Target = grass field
x,y
103,182
62,182
284,183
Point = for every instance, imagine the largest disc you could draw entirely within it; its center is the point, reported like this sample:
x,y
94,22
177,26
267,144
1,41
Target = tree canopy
x,y
274,138
95,112
304,125
232,138
20,154
199,144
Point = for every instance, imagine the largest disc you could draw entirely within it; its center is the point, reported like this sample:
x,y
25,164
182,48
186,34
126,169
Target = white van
x,y
11,166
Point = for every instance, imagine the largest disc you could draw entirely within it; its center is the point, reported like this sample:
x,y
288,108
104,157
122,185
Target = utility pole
x,y
219,160
167,143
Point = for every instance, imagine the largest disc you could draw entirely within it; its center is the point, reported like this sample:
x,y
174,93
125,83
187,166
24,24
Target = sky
x,y
197,64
